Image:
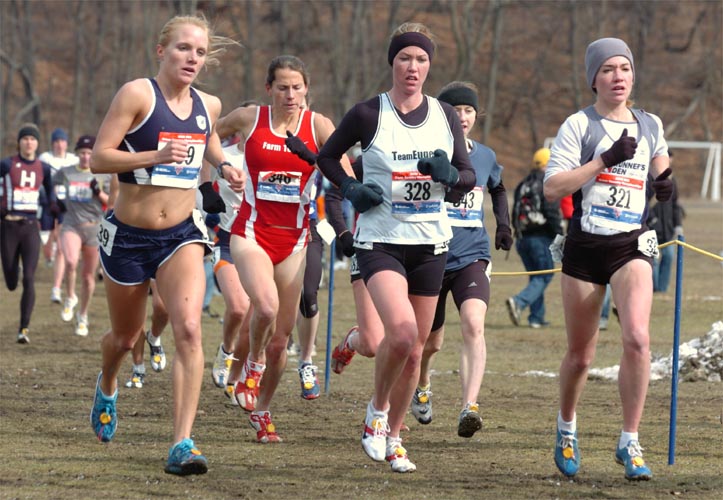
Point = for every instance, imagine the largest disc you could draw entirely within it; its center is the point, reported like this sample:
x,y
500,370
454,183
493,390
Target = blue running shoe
x,y
632,458
310,388
103,416
184,459
567,456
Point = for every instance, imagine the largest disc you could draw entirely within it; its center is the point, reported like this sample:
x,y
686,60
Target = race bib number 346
x,y
284,187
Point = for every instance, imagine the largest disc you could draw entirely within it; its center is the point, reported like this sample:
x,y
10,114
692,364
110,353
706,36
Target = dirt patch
x,y
46,389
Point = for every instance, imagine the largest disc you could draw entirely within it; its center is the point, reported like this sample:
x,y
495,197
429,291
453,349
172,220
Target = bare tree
x,y
494,63
20,61
468,31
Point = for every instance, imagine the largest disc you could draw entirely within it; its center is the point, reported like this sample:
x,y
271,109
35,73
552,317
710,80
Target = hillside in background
x,y
62,61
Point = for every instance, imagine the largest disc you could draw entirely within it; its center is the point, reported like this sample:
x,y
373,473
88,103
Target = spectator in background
x,y
666,218
58,157
536,222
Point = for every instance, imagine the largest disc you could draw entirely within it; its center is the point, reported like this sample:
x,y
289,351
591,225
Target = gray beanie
x,y
600,51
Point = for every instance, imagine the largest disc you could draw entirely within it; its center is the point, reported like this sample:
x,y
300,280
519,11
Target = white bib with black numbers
x,y
416,197
468,211
616,200
284,187
182,174
25,199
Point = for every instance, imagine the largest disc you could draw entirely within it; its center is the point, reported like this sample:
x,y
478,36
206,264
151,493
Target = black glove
x,y
212,201
503,238
439,168
347,243
663,186
298,147
454,196
362,196
621,150
95,187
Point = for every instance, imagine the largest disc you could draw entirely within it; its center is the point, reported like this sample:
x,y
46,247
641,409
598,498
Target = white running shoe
x,y
221,367
374,436
67,313
136,380
397,456
56,296
81,327
158,355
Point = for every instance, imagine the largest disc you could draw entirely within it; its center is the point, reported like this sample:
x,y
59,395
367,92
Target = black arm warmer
x,y
498,194
334,212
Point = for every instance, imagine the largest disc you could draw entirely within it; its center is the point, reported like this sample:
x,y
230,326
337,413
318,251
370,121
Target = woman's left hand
x,y
236,178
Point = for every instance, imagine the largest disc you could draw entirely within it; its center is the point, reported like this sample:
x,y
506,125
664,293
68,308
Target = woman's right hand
x,y
362,196
173,152
621,150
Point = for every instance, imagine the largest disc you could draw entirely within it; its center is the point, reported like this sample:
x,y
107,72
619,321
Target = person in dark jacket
x,y
536,223
666,218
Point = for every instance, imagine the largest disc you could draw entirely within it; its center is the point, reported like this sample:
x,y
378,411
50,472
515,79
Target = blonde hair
x,y
216,44
414,28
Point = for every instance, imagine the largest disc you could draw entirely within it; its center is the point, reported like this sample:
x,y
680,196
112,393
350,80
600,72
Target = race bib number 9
x,y
415,197
284,187
183,174
468,211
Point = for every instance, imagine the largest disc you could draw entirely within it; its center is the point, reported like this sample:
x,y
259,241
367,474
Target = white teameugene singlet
x,y
614,201
231,198
413,210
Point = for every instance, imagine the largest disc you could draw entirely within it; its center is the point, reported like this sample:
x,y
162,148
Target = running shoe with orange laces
x,y
246,390
265,428
343,353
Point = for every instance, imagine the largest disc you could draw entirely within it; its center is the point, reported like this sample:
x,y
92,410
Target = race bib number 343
x,y
181,174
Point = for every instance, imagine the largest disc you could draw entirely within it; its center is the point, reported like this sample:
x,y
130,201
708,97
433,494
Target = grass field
x,y
46,389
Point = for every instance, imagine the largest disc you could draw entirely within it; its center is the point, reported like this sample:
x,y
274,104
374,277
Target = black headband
x,y
410,38
460,96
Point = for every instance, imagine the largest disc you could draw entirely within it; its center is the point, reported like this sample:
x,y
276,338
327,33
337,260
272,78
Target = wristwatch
x,y
219,168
